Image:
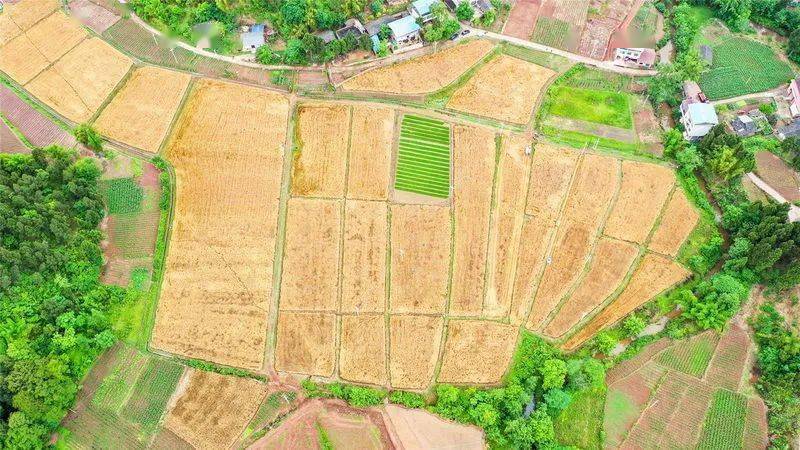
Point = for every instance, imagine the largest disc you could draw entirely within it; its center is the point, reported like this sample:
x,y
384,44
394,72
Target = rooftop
x,y
648,56
423,7
253,38
702,113
404,26
793,129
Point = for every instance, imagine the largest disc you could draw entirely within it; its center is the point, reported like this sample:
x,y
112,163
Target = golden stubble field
x,y
227,150
382,292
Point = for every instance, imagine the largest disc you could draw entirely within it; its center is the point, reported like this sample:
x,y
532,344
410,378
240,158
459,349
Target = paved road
x,y
794,211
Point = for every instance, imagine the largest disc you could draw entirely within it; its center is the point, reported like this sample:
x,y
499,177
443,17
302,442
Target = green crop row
x,y
724,424
743,66
423,161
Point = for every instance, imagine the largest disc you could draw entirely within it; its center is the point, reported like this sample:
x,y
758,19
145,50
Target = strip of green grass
x,y
581,423
605,107
423,158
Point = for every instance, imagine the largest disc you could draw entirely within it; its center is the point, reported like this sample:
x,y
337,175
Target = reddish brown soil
x,y
522,19
778,175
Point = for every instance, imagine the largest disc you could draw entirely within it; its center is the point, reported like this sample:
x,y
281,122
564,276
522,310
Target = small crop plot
x,y
553,33
724,425
423,158
743,66
123,196
151,393
775,172
692,357
678,221
604,107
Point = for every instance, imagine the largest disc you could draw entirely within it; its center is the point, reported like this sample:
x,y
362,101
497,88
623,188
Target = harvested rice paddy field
x,y
690,393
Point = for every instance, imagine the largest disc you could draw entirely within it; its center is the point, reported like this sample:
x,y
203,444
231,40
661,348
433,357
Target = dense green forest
x,y
53,308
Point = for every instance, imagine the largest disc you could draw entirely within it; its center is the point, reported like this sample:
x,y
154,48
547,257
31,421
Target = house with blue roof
x,y
698,116
421,9
253,38
405,31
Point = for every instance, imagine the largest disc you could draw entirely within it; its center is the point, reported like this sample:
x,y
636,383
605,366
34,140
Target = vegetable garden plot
x,y
505,89
691,357
626,399
556,33
724,424
743,66
305,343
142,111
320,158
648,430
728,366
217,287
778,175
151,393
755,426
423,157
473,167
683,429
213,409
477,351
422,75
362,357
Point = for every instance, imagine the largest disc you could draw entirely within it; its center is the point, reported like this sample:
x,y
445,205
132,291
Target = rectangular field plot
x,y
25,14
413,349
534,244
370,161
217,288
140,114
420,249
78,83
320,159
554,33
362,356
508,219
551,174
306,343
310,279
55,35
473,167
724,424
477,351
20,59
644,190
365,257
691,357
213,409
603,107
679,219
423,157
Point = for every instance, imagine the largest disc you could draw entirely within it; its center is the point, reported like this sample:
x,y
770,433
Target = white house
x,y
405,31
793,97
637,58
421,9
697,115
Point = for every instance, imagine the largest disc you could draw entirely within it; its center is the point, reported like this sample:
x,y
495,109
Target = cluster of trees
x,y
778,384
442,26
311,49
179,16
55,312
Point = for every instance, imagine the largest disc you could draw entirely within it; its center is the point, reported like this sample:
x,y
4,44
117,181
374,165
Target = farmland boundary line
x,y
498,149
340,262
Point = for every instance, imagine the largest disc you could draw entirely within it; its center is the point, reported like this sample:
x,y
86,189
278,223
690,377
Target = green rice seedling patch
x,y
123,196
115,389
604,107
743,66
423,157
692,356
724,424
551,32
151,393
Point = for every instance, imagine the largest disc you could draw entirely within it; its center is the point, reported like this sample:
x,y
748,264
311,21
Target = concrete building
x,y
421,9
253,38
793,97
405,31
636,58
744,126
697,115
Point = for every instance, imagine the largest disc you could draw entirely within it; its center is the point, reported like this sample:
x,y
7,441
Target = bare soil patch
x,y
363,349
477,351
645,188
214,409
551,173
78,83
420,242
414,349
522,19
421,75
419,429
592,128
217,287
778,175
678,220
141,113
505,89
611,262
310,278
371,145
96,17
654,275
506,232
320,158
364,259
473,176
306,343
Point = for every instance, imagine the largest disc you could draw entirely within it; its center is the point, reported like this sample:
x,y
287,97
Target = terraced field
x,y
423,158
